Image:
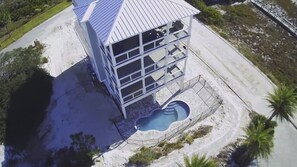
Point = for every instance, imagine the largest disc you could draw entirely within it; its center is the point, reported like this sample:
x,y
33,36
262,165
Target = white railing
x,y
176,37
176,57
133,95
133,76
153,44
128,55
153,86
153,67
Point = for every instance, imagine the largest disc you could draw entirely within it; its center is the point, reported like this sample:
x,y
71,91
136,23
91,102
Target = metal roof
x,y
116,20
82,2
80,12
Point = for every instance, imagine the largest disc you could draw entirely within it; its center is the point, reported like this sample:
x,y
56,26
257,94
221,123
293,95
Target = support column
x,y
166,50
142,63
124,112
154,98
188,45
181,85
112,55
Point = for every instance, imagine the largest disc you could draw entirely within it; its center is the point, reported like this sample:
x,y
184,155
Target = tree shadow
x,y
25,113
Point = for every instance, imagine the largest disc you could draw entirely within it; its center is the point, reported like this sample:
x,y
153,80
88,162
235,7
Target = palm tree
x,y
197,161
283,102
258,143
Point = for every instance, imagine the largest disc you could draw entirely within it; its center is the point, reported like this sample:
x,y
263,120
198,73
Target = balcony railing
x,y
178,35
154,44
131,77
176,57
128,55
133,95
153,86
153,67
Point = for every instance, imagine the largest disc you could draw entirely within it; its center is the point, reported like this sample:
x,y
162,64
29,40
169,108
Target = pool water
x,y
162,118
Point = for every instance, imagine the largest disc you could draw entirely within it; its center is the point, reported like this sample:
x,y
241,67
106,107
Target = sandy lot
x,y
78,106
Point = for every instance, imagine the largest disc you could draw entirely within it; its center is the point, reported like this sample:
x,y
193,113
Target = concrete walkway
x,y
249,83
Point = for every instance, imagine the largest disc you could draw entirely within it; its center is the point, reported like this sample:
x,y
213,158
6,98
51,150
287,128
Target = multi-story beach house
x,y
136,47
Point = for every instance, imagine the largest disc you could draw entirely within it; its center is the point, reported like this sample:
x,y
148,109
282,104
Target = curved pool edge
x,y
170,126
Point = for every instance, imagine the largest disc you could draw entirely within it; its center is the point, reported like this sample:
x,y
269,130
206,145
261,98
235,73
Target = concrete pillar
x,y
181,85
124,112
154,98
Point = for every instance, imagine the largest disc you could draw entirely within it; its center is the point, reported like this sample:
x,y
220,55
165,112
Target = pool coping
x,y
169,127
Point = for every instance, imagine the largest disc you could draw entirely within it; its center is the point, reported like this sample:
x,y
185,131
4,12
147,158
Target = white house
x,y
136,47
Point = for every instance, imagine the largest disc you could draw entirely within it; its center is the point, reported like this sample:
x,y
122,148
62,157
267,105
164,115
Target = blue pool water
x,y
162,118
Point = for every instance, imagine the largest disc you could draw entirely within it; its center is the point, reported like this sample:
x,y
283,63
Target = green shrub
x,y
241,14
202,131
169,147
145,157
162,144
224,35
189,139
208,15
44,60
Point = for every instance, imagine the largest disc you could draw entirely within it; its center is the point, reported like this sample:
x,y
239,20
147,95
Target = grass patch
x,y
145,156
35,21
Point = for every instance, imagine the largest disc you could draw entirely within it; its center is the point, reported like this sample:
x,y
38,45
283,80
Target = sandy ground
x,y
250,84
76,107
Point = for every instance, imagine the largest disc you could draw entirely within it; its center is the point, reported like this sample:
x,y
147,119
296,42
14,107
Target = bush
x,y
79,154
208,15
169,147
189,139
145,157
202,131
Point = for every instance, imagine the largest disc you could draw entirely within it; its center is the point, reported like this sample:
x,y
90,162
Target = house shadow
x,y
78,104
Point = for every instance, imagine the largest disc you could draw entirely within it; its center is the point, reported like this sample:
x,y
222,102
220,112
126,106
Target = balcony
x,y
129,72
155,38
152,82
133,91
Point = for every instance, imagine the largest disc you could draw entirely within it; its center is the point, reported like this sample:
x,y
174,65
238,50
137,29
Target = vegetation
x,y
207,15
258,142
288,6
79,154
197,161
263,42
283,102
25,93
145,156
257,37
23,16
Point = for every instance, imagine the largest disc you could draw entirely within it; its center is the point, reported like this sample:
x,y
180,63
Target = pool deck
x,y
200,97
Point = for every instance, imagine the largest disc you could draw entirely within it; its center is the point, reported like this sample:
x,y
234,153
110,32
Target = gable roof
x,y
116,20
80,12
82,2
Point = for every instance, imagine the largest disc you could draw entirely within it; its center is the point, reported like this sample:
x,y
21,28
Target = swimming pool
x,y
162,118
